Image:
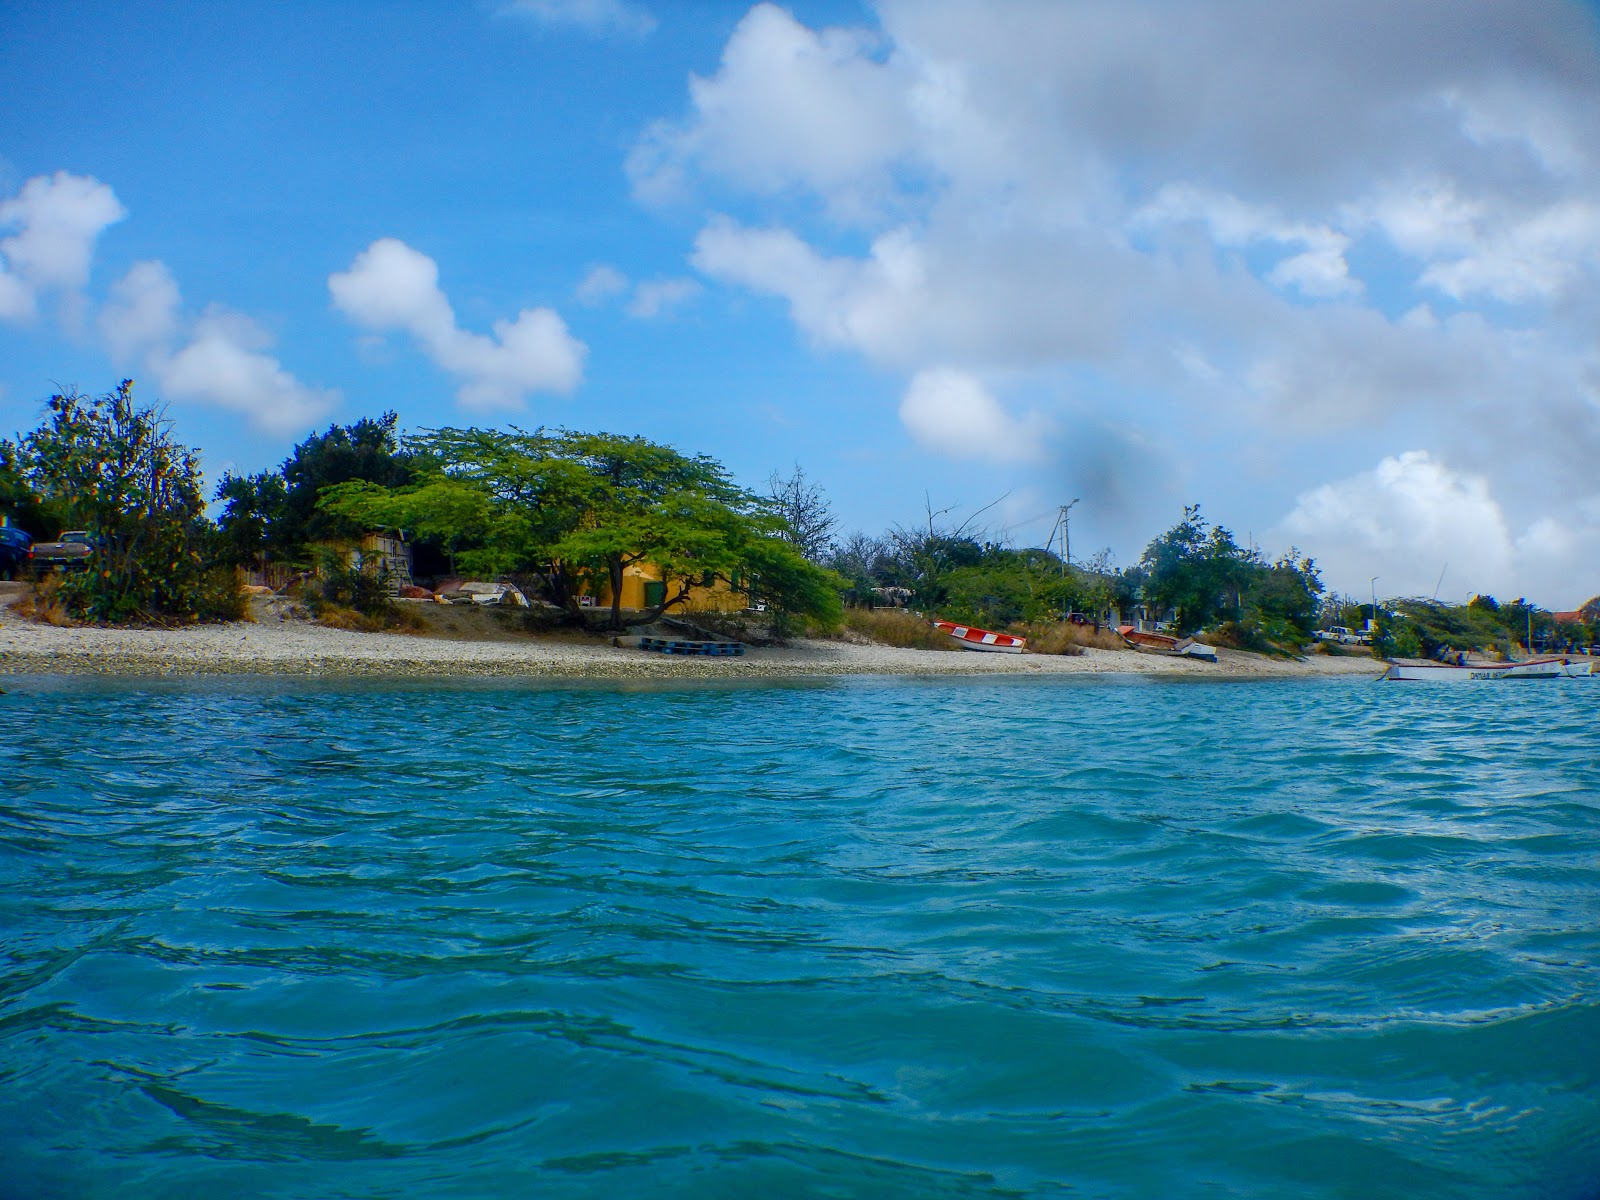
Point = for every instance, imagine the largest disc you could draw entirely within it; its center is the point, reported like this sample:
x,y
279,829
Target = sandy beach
x,y
277,643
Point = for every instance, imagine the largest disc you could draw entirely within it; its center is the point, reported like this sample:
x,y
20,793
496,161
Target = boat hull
x,y
1552,668
985,641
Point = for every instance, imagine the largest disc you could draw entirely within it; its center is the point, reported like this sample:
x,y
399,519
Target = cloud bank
x,y
53,224
219,358
1350,222
391,287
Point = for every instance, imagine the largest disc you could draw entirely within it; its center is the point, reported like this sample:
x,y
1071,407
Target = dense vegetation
x,y
107,465
578,509
1423,628
1195,573
567,513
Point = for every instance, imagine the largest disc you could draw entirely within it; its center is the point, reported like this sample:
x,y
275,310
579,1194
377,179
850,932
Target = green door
x,y
655,592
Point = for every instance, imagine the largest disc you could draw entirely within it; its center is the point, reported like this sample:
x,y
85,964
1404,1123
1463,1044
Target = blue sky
x,y
1332,271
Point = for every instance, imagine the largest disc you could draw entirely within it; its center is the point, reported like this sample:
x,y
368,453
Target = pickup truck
x,y
71,549
1344,636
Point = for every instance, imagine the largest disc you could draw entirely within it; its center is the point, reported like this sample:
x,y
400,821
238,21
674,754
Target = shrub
x,y
43,603
344,597
1261,634
1059,637
896,627
113,468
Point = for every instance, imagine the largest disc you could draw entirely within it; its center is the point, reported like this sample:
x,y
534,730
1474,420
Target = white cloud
x,y
952,413
57,219
219,359
224,363
16,297
390,286
789,107
1319,270
601,283
1413,517
654,297
1502,247
595,17
142,311
917,300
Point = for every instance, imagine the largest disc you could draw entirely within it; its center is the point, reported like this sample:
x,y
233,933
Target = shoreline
x,y
274,646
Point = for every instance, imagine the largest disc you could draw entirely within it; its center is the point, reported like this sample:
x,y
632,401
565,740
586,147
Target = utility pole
x,y
1066,537
1066,551
1375,579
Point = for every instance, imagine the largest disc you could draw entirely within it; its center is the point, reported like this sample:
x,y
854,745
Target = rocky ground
x,y
278,641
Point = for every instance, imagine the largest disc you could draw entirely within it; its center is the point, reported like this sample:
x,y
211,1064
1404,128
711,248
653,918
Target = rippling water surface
x,y
857,938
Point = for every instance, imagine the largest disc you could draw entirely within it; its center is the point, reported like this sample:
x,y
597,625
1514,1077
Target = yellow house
x,y
643,588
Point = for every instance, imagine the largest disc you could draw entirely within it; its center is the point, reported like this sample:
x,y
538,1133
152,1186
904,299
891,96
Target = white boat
x,y
1583,670
969,637
1540,668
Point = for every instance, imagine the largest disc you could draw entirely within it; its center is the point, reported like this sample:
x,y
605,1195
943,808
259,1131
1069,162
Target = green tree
x,y
581,508
19,502
275,514
1197,570
1211,582
251,525
112,467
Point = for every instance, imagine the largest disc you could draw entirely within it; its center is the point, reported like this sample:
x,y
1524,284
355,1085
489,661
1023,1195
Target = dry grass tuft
x,y
400,618
1060,637
408,620
896,627
336,616
43,604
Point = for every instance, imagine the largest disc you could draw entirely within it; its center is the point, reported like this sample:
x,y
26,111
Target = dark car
x,y
15,545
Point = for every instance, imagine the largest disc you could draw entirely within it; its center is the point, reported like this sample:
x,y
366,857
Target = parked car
x,y
72,549
1343,636
15,548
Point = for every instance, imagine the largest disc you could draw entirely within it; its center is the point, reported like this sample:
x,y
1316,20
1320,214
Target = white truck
x,y
1344,636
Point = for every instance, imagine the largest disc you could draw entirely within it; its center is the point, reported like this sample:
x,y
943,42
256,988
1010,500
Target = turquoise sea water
x,y
854,938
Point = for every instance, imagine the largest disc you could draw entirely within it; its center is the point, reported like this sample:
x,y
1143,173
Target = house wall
x,y
719,597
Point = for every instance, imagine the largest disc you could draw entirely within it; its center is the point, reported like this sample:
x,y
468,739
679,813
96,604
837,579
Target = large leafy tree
x,y
1198,570
581,508
112,467
275,514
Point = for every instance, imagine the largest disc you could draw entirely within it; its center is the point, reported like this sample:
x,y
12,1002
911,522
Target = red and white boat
x,y
969,637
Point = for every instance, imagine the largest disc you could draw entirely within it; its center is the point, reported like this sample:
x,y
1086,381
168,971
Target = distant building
x,y
387,552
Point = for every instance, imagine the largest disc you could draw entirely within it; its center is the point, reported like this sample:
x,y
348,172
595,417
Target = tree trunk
x,y
658,610
614,568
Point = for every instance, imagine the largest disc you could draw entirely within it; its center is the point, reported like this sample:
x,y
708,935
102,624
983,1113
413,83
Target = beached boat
x,y
1540,668
1163,643
970,638
1135,636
